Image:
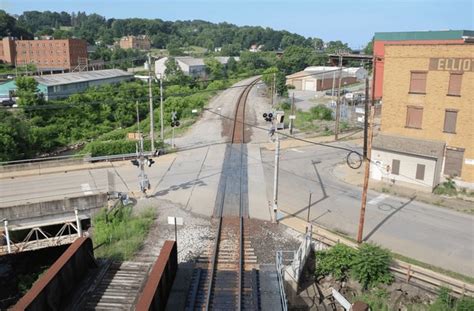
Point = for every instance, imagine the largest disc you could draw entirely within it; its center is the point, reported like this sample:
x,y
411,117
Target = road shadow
x,y
186,185
377,227
308,207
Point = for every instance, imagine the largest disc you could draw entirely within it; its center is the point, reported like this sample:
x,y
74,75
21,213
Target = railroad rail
x,y
227,277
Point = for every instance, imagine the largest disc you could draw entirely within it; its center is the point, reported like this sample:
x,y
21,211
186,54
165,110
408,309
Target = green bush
x,y
376,299
103,148
446,188
321,112
285,105
371,265
335,261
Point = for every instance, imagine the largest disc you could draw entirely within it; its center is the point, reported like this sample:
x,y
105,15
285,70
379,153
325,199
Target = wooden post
x,y
366,178
338,101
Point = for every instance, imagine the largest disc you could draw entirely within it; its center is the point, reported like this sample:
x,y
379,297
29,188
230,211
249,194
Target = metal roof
x,y
77,77
424,35
419,147
193,61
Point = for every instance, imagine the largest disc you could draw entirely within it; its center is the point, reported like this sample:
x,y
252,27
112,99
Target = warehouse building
x,y
426,123
320,78
65,84
191,66
46,55
413,37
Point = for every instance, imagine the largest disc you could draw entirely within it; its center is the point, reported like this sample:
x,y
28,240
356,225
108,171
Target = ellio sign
x,y
452,64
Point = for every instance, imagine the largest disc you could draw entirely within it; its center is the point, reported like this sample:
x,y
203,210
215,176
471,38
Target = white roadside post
x,y
275,179
5,223
78,223
161,108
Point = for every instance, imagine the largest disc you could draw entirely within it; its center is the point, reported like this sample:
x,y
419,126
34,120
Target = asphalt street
x,y
425,232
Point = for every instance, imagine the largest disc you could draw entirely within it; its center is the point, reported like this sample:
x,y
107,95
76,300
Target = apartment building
x,y
135,42
46,55
427,131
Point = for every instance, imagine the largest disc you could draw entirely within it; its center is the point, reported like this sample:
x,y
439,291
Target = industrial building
x,y
65,84
191,66
319,78
47,55
426,123
381,39
135,42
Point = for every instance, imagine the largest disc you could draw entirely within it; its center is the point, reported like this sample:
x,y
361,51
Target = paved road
x,y
428,233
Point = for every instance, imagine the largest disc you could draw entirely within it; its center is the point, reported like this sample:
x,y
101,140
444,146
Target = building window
x,y
453,162
395,167
418,82
414,117
455,80
450,117
420,171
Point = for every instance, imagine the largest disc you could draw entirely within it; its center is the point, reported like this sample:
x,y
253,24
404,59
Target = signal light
x,y
150,162
135,162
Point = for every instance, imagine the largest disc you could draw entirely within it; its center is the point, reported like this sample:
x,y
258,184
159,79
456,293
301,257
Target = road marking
x,y
378,199
296,150
86,188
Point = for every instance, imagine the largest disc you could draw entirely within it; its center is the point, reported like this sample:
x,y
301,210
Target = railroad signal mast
x,y
140,162
276,119
174,123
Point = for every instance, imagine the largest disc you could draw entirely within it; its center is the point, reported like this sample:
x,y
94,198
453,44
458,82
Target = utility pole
x,y
338,102
162,135
366,178
150,96
273,89
366,115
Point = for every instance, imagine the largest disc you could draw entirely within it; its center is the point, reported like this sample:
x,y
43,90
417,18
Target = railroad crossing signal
x,y
149,162
174,119
268,116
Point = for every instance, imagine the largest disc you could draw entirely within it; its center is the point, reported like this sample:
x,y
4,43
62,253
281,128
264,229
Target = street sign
x,y
133,136
292,117
174,116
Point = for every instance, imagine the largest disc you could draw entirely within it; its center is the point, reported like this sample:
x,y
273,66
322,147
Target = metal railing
x,y
280,267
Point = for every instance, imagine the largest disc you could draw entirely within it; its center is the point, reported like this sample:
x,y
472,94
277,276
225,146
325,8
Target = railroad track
x,y
226,277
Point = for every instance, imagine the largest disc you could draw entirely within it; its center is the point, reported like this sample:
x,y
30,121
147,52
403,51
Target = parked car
x,y
7,103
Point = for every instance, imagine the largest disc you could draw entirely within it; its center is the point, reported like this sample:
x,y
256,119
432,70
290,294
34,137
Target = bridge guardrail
x,y
158,286
52,288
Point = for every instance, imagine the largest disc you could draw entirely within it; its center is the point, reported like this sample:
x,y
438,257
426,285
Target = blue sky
x,y
352,21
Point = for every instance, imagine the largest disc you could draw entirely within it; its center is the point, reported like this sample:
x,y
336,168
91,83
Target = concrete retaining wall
x,y
50,292
33,211
40,165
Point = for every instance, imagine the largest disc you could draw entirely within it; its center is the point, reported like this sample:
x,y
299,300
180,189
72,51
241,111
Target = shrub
x,y
321,112
336,261
371,265
447,188
103,148
285,105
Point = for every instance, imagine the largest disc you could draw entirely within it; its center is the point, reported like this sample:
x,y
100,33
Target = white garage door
x,y
310,85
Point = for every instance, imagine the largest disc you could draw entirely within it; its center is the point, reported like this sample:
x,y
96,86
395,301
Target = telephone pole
x,y
338,101
366,177
366,115
162,136
150,96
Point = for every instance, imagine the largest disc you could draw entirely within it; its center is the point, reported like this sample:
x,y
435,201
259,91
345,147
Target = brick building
x,y
46,55
426,124
135,42
413,37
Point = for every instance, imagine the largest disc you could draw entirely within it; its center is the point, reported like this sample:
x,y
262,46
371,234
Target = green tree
x,y
14,137
272,75
27,91
369,48
214,68
334,46
174,74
